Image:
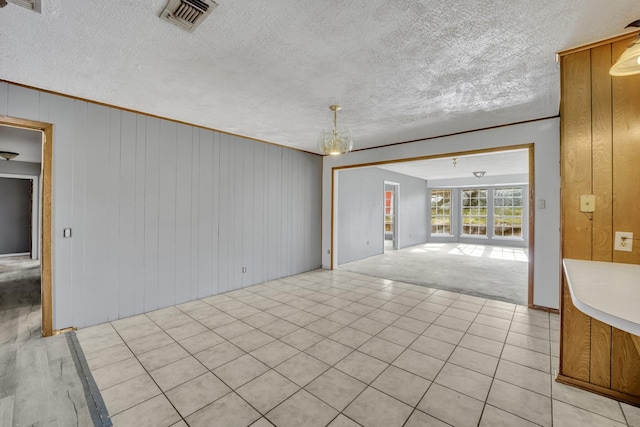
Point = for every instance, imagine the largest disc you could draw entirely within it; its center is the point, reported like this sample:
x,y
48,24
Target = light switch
x,y
542,204
66,233
587,203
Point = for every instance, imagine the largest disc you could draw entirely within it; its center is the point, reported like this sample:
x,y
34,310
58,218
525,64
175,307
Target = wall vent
x,y
35,5
187,14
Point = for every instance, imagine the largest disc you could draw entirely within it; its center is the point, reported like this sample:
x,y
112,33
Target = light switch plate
x,y
587,203
66,233
623,241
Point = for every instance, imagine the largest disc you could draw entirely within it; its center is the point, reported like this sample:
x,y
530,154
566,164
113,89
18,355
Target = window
x,y
474,212
441,212
507,213
388,211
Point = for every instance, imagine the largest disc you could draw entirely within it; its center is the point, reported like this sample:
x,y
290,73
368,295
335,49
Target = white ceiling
x,y
402,70
27,143
514,162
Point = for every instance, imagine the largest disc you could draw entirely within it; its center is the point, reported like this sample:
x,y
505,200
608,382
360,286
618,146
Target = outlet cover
x,y
623,241
587,203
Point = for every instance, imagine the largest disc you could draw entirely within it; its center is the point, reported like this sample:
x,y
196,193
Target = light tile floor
x,y
334,348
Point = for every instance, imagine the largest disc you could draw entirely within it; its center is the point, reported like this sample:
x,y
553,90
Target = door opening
x,y
391,215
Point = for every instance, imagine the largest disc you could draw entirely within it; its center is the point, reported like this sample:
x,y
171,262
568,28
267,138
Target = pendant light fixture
x,y
335,142
8,155
629,62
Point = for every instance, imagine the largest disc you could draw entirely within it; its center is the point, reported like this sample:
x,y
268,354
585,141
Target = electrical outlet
x,y
623,241
587,203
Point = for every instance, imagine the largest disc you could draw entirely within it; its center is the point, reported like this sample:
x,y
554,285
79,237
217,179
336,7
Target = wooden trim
x,y
459,133
64,331
155,116
532,227
543,308
46,226
607,392
569,51
332,213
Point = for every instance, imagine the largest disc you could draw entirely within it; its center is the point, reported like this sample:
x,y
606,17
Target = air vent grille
x,y
187,14
28,4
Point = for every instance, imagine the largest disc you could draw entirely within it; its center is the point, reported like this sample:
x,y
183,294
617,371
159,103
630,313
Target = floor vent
x,y
34,5
187,14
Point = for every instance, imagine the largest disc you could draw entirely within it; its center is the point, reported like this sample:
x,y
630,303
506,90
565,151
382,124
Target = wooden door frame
x,y
530,147
46,225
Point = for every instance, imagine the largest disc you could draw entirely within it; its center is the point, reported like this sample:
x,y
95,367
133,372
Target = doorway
x,y
391,191
30,167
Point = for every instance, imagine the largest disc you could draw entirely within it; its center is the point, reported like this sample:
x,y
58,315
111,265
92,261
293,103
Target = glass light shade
x,y
335,142
629,61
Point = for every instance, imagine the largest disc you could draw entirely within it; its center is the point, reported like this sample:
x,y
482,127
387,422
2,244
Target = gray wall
x,y
361,216
15,216
164,213
19,168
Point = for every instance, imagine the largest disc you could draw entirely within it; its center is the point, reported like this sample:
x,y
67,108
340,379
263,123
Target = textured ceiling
x,y
513,162
402,70
27,143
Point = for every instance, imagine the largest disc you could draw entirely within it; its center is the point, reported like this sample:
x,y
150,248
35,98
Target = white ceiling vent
x,y
187,14
34,5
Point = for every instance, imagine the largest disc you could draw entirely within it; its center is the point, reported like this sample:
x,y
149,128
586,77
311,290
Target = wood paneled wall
x,y
164,213
600,154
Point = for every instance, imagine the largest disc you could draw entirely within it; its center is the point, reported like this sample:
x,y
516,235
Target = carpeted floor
x,y
487,271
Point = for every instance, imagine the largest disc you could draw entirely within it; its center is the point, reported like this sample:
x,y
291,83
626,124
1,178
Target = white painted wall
x,y
545,134
164,213
361,215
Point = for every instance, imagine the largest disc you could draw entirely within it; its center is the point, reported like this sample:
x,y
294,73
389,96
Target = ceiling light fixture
x,y
479,174
455,161
335,142
8,155
629,62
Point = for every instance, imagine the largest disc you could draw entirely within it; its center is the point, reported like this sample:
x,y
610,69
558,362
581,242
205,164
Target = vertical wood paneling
x,y
576,178
23,102
167,215
139,226
258,215
195,213
113,243
276,212
97,214
285,217
4,99
205,236
625,371
183,213
127,215
215,227
238,215
247,211
151,218
224,264
62,112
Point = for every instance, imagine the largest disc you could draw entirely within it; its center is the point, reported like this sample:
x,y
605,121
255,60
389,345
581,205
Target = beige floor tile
x,y
381,349
260,319
282,310
108,356
162,356
444,334
219,354
116,373
501,305
267,391
324,327
302,339
150,342
494,322
301,318
180,423
359,365
525,377
375,409
571,416
481,345
420,364
233,329
531,330
433,347
132,321
590,401
398,336
368,326
402,385
437,299
523,403
156,412
342,421
187,330
342,317
530,343
178,372
494,417
525,357
129,334
217,320
632,414
405,300
329,351
452,323
99,343
197,393
302,368
532,317
321,310
252,340
240,371
422,315
451,407
302,409
497,312
279,328
203,341
396,308
359,309
489,332
204,312
459,313
479,362
420,419
471,306
229,411
383,316
129,393
350,337
431,306
274,353
464,380
372,301
335,388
